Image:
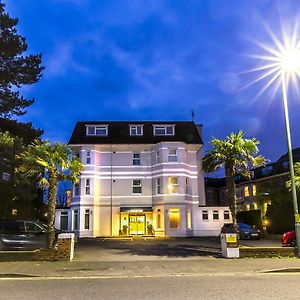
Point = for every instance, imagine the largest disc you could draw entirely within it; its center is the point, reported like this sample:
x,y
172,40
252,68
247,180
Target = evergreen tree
x,y
16,68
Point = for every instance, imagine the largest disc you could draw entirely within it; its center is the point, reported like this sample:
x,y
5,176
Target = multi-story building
x,y
139,178
251,193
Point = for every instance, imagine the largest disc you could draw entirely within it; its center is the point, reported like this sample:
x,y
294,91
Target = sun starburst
x,y
277,61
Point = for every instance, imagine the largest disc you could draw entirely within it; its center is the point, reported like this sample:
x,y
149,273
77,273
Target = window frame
x,y
97,127
158,186
136,128
216,215
174,211
226,213
87,186
87,219
172,155
205,213
136,186
176,185
88,157
163,130
136,161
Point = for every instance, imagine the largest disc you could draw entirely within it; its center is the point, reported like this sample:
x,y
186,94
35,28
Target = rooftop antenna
x,y
193,115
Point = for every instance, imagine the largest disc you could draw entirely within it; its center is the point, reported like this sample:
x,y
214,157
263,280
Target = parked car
x,y
23,235
289,238
245,231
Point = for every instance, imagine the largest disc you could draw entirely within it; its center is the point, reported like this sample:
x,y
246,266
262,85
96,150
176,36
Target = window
x,y
136,159
174,216
6,176
87,187
267,170
222,195
254,190
215,215
157,154
246,191
100,130
187,186
209,195
158,191
88,157
158,219
226,215
173,185
76,189
136,186
136,129
87,219
189,218
164,129
286,165
75,224
64,220
204,215
172,155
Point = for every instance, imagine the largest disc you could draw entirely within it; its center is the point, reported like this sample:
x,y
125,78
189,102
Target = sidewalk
x,y
201,266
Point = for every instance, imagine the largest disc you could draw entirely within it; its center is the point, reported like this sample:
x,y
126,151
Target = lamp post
x,y
289,144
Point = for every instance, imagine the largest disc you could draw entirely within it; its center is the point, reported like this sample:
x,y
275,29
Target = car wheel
x,y
292,242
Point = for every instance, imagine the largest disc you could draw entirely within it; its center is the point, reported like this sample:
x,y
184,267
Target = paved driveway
x,y
140,249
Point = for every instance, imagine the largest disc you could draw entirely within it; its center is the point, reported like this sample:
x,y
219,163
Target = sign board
x,y
297,218
231,238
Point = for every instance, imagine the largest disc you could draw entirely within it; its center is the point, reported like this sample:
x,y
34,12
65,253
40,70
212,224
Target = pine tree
x,y
16,68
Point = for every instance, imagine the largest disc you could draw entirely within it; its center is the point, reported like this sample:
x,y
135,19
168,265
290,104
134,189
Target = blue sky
x,y
156,60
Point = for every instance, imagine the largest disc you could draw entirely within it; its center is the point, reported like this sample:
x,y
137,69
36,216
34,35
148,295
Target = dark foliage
x,y
16,68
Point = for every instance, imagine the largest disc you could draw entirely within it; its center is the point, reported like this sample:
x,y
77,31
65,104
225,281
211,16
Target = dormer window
x,y
136,129
97,130
164,129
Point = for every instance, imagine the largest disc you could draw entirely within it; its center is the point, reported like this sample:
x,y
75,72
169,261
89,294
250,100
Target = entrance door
x,y
137,224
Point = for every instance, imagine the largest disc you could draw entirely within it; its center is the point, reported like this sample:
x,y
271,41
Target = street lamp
x,y
282,63
290,64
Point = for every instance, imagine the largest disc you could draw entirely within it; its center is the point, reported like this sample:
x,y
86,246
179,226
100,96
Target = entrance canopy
x,y
136,209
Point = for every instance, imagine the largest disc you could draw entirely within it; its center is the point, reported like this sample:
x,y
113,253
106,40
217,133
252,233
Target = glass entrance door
x,y
137,224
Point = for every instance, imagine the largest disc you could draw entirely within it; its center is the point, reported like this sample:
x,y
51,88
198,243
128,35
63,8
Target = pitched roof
x,y
118,133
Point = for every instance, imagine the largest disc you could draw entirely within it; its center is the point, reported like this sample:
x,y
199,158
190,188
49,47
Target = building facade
x,y
139,178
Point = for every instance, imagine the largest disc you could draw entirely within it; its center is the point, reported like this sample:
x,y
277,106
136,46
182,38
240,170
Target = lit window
x,y
6,176
172,155
64,220
136,186
254,190
136,129
100,130
215,215
226,215
158,160
189,218
204,215
158,191
164,129
75,224
246,191
87,219
88,157
87,187
158,219
173,185
174,216
136,159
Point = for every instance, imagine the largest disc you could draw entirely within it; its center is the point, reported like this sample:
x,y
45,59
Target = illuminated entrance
x,y
137,224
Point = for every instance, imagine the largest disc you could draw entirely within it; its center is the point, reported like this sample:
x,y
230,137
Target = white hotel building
x,y
140,178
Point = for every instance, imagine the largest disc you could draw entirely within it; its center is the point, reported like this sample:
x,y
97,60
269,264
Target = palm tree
x,y
236,155
50,163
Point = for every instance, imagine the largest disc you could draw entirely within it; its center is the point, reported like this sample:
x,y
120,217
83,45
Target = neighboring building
x,y
250,192
140,178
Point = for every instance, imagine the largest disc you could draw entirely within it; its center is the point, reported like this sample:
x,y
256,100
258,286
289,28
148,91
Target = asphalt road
x,y
214,286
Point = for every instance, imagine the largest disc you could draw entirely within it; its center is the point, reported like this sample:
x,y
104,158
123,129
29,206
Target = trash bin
x,y
229,245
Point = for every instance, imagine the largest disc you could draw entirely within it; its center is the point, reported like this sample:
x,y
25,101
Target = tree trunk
x,y
230,182
53,183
